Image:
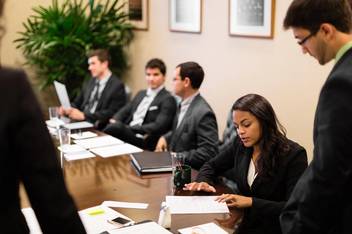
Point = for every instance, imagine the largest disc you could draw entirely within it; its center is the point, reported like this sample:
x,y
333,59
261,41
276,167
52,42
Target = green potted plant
x,y
57,38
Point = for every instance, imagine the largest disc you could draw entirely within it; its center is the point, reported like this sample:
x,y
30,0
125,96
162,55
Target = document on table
x,y
31,220
54,123
95,219
116,150
83,135
71,148
78,125
125,204
78,155
75,152
99,141
143,228
62,94
208,228
195,205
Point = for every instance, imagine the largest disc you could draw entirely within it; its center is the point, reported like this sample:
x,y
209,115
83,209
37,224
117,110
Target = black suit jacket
x,y
112,99
269,193
159,117
27,155
197,135
321,201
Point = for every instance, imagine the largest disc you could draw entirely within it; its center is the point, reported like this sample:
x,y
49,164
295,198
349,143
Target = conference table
x,y
92,181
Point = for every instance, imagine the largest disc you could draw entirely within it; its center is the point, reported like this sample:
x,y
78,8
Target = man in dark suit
x,y
27,155
195,131
101,96
321,201
149,115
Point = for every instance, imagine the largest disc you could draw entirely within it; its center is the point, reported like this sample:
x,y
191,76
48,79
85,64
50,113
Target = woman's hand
x,y
234,200
202,186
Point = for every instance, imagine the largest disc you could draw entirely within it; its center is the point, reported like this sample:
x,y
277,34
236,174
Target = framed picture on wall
x,y
138,13
185,15
251,18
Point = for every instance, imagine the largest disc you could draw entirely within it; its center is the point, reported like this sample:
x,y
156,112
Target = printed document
x,y
195,205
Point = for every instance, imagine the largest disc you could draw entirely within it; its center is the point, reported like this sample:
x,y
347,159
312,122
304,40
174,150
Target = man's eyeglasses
x,y
301,42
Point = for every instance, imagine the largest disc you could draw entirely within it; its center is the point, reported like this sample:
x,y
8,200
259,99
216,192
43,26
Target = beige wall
x,y
234,66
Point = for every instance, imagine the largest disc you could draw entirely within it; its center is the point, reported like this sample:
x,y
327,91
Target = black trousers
x,y
124,133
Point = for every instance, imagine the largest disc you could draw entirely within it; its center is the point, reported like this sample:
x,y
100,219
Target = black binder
x,y
149,162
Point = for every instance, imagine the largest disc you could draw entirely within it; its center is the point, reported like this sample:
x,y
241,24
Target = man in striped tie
x,y
101,96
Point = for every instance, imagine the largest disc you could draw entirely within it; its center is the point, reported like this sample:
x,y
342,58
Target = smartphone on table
x,y
121,222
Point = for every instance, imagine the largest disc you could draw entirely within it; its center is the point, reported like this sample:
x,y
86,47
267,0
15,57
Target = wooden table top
x,y
94,180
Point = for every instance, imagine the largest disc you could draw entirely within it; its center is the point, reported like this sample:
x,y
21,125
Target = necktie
x,y
94,98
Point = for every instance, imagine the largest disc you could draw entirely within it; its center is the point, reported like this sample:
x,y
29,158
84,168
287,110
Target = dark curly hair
x,y
273,143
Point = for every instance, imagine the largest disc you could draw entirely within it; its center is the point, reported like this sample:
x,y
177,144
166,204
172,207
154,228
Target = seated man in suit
x,y
149,115
195,131
101,96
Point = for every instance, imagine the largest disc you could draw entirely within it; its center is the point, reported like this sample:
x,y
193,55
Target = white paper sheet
x,y
99,141
78,125
116,150
83,135
54,123
78,155
144,228
195,205
125,204
62,94
208,228
95,219
71,148
32,221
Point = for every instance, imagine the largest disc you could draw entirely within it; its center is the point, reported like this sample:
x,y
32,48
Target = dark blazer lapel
x,y
244,175
134,105
139,99
158,97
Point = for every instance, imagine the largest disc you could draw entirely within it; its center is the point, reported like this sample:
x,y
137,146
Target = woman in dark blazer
x,y
27,156
266,166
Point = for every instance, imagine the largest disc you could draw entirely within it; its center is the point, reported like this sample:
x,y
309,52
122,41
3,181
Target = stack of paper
x,y
75,152
83,135
195,205
114,150
208,228
99,141
79,125
54,123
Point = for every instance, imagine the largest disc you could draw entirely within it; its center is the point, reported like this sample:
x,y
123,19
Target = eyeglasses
x,y
301,42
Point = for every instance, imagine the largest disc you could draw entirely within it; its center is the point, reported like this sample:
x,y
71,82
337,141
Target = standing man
x,y
321,201
149,115
101,96
194,131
